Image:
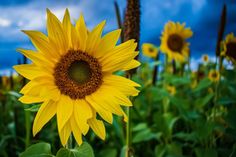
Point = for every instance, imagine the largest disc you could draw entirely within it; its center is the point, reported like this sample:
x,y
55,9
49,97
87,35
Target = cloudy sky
x,y
201,15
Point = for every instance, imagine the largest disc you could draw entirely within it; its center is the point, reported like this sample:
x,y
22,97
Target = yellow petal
x,y
64,111
76,130
120,97
50,92
125,86
120,56
82,31
44,114
29,71
36,58
41,42
106,101
131,65
105,114
94,38
26,99
108,42
82,112
64,133
98,127
56,33
66,23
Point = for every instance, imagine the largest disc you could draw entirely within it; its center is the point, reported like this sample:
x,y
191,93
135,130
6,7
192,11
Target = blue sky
x,y
201,15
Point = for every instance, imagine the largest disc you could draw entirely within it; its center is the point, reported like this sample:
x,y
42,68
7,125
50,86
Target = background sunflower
x,y
173,41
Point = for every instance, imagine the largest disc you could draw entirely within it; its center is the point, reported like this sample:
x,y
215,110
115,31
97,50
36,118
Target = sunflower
x,y
214,75
171,90
229,47
173,41
149,50
205,58
71,74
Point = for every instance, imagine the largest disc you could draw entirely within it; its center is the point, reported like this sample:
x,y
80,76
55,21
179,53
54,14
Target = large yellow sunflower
x,y
229,47
71,74
173,41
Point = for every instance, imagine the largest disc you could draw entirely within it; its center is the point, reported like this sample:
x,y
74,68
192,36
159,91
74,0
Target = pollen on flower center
x,y
77,74
175,42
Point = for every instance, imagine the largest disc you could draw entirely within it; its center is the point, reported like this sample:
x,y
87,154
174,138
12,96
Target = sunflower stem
x,y
155,72
27,128
129,152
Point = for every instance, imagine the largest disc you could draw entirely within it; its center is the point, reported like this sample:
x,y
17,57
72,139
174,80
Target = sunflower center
x,y
175,43
77,74
214,75
150,49
79,71
231,49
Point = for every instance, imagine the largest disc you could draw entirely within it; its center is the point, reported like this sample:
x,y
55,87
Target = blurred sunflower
x,y
229,47
214,75
149,50
72,75
205,58
173,41
171,90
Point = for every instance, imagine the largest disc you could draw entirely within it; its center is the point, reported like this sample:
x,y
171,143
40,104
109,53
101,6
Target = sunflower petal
x,y
105,114
94,38
29,71
66,23
125,86
76,130
82,31
26,99
131,65
108,42
41,42
35,57
64,111
82,112
44,114
98,127
56,33
64,133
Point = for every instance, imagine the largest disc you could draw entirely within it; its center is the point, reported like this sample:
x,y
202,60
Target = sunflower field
x,y
81,92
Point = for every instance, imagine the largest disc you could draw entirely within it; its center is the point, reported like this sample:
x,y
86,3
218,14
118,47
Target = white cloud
x,y
32,16
4,22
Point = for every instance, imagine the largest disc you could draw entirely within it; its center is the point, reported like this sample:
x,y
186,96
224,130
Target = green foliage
x,y
197,120
37,150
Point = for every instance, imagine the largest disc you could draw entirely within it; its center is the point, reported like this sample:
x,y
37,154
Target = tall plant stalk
x,y
131,31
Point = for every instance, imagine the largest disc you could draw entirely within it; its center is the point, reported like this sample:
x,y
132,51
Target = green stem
x,y
128,134
27,128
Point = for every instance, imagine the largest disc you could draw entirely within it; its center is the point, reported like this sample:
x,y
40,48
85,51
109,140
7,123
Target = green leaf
x,y
15,94
160,150
201,102
85,150
203,84
33,108
202,152
123,151
110,152
140,126
145,135
38,150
